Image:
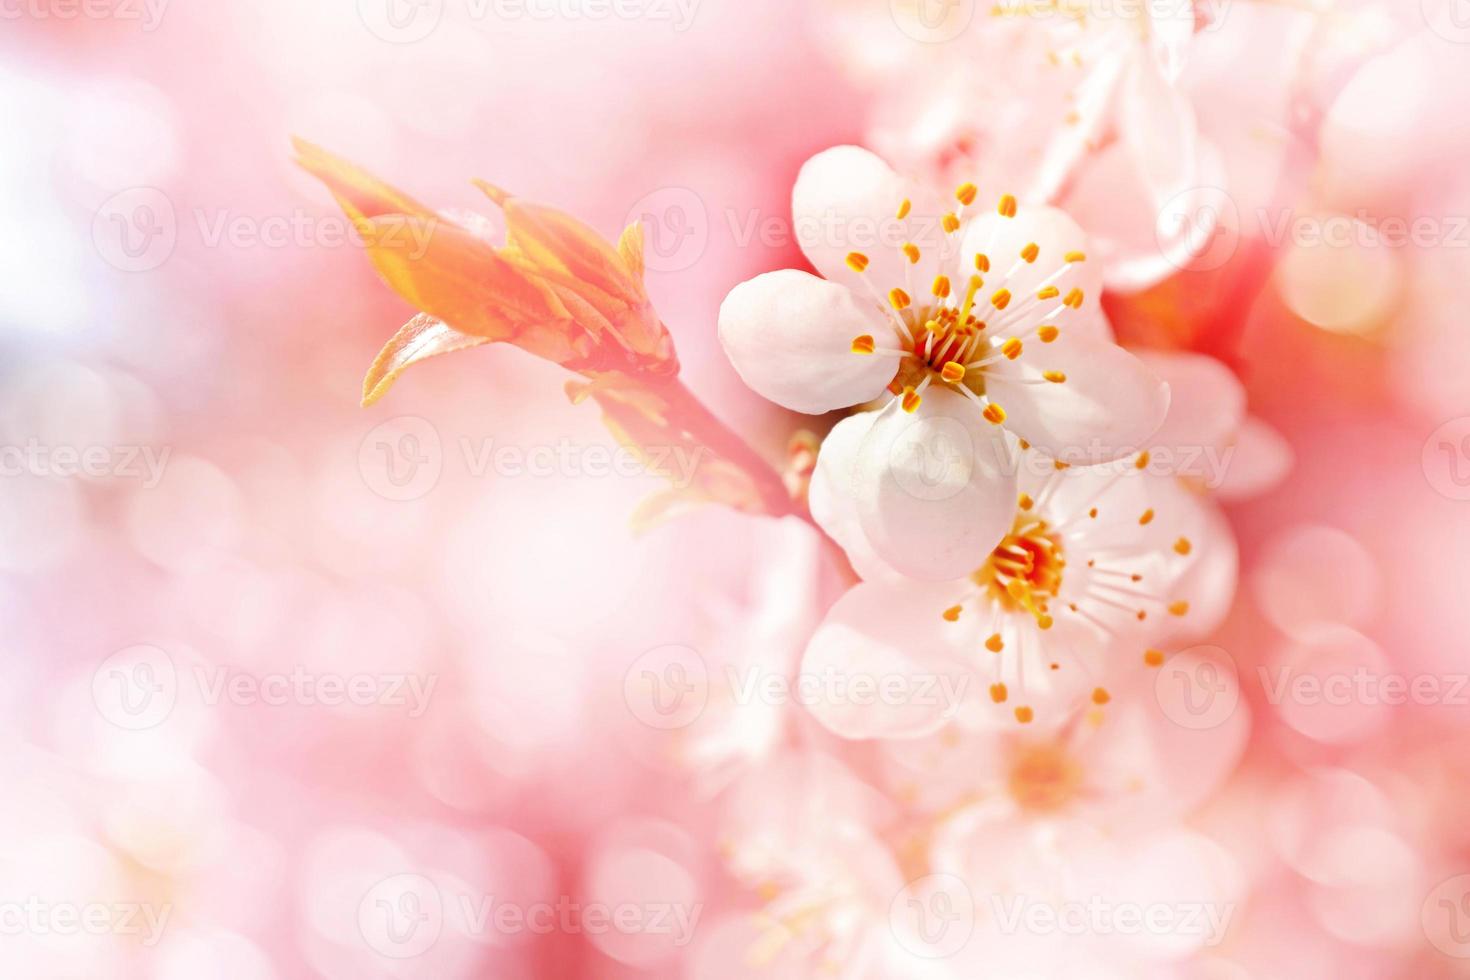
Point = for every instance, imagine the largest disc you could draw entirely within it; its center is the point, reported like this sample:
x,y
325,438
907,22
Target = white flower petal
x,y
1002,240
1259,460
885,663
789,336
936,489
1108,406
831,499
1206,411
846,200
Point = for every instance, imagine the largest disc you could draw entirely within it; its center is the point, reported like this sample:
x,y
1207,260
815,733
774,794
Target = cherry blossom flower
x,y
992,324
803,834
1067,104
1092,558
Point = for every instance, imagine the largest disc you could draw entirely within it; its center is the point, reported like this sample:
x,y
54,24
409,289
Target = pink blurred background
x,y
185,309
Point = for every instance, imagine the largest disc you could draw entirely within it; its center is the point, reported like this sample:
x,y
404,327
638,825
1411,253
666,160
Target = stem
x,y
691,414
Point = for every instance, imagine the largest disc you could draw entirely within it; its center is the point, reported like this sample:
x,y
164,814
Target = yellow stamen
x,y
953,372
1011,348
899,299
1100,696
1044,622
951,223
904,208
982,262
994,414
966,194
1031,252
1072,257
941,287
911,400
952,614
1047,334
1179,608
995,644
863,344
1183,546
912,251
1050,292
1074,299
1142,461
1025,502
1001,299
1153,658
1146,516
998,693
1007,207
1055,377
1024,715
857,261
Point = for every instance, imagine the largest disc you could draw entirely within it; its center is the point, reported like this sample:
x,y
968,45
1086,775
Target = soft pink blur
x,y
249,529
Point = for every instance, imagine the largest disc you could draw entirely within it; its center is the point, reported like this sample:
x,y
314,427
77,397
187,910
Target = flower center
x,y
1044,777
1024,572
